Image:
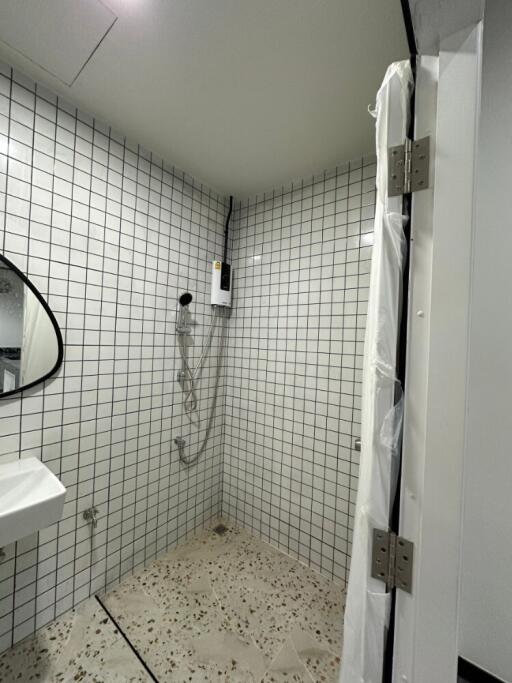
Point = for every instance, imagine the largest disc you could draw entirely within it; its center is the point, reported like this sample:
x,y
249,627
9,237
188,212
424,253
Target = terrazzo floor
x,y
217,608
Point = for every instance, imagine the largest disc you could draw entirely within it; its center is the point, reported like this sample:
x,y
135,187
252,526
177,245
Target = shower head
x,y
185,299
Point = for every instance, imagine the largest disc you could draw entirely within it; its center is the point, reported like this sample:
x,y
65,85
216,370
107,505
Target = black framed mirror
x,y
31,347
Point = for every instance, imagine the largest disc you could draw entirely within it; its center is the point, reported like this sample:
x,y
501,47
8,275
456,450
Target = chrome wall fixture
x,y
188,375
91,516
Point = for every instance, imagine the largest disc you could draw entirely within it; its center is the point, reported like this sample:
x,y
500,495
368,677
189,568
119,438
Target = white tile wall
x,y
301,258
110,235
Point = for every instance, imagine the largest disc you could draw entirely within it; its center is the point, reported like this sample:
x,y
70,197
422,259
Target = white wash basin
x,y
31,498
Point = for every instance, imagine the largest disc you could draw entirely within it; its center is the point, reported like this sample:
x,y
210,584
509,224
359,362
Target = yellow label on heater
x,y
217,265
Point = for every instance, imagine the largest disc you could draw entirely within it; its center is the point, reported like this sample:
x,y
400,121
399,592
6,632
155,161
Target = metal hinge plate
x,y
408,167
392,560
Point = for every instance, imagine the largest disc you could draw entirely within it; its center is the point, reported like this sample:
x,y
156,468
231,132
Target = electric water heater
x,y
221,284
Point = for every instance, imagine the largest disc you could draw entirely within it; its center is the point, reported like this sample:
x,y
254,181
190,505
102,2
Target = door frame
x,y
426,622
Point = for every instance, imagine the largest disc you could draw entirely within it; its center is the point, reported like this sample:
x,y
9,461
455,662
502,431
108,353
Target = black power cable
x,y
226,232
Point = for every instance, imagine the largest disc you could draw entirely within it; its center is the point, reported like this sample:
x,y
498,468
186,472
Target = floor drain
x,y
220,529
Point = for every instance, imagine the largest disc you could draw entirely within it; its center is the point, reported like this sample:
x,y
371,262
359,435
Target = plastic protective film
x,y
368,605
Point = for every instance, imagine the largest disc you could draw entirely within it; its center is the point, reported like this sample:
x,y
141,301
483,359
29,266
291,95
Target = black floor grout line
x,y
132,648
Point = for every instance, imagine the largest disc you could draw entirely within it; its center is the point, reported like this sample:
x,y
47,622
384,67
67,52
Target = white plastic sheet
x,y
368,604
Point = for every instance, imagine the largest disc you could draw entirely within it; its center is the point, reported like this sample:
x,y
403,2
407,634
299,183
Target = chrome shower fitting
x,y
182,323
182,326
188,375
180,442
91,516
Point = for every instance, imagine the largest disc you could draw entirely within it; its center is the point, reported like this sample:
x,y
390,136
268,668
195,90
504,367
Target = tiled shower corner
x,y
301,257
111,236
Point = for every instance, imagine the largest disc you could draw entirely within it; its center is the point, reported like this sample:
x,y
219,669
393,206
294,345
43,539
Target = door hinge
x,y
392,560
408,167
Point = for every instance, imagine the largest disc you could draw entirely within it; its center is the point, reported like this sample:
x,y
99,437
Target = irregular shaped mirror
x,y
30,339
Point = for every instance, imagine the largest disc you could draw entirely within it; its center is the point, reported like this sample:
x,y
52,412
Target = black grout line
x,y
127,640
115,321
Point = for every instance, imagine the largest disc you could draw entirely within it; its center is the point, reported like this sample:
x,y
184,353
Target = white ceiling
x,y
435,20
242,94
58,35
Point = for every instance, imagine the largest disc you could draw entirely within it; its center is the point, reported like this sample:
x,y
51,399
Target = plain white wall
x,y
486,597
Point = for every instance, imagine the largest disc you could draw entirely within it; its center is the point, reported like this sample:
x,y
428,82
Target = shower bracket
x,y
392,560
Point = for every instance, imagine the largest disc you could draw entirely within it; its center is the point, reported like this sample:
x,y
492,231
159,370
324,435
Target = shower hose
x,y
192,374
